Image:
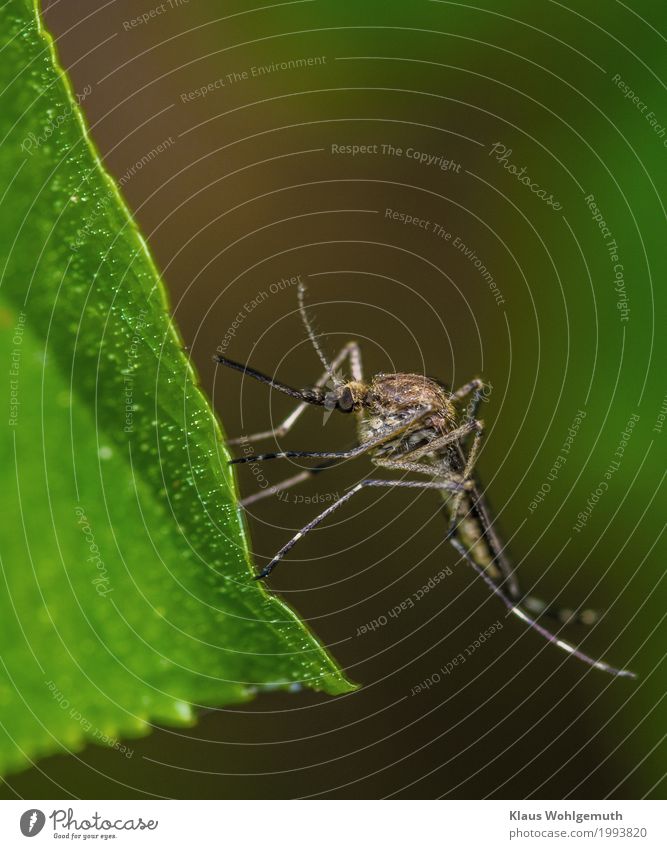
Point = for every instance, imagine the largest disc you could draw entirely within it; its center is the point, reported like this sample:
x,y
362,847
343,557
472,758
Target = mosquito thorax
x,y
390,392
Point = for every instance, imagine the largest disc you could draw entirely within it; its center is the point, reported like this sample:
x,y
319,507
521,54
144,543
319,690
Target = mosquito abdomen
x,y
471,534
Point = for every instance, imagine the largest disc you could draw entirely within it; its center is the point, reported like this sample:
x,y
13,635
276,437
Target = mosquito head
x,y
346,398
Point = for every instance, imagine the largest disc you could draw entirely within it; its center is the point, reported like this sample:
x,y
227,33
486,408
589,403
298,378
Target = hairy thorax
x,y
392,399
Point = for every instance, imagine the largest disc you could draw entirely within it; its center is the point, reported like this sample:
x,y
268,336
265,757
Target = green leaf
x,y
126,595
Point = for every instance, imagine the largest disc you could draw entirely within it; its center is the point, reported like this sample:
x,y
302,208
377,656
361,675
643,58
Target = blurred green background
x,y
249,191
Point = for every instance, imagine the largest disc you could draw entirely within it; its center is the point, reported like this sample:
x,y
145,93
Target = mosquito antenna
x,y
301,293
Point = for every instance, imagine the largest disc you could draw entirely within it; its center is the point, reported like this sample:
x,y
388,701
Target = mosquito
x,y
410,423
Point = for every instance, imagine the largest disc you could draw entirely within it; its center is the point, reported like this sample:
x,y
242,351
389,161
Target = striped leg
x,y
476,387
284,484
342,500
470,461
521,614
534,605
385,436
510,583
418,468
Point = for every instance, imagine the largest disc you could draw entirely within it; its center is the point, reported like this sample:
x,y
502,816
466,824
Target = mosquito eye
x,y
346,401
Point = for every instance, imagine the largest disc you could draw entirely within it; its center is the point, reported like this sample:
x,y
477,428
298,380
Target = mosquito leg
x,y
355,361
439,442
564,615
386,436
467,474
344,498
420,468
435,445
477,503
459,485
283,485
274,490
478,511
521,614
534,605
266,571
477,387
277,432
351,351
451,486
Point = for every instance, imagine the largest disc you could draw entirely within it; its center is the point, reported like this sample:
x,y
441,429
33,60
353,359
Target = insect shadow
x,y
410,423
